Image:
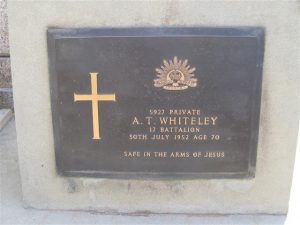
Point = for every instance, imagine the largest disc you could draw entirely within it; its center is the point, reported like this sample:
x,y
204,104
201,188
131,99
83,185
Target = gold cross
x,y
95,98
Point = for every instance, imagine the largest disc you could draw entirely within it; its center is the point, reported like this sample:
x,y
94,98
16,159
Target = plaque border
x,y
54,33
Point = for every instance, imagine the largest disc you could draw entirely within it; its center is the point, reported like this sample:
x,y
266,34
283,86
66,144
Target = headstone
x,y
185,101
94,81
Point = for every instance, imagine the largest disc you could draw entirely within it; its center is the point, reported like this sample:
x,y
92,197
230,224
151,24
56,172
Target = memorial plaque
x,y
156,102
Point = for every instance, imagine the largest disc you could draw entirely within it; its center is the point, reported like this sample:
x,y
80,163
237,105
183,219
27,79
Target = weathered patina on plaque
x,y
156,102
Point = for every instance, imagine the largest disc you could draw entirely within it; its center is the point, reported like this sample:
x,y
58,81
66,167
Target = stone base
x,y
43,188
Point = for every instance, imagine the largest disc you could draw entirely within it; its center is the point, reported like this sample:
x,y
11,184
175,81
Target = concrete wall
x,y
6,99
44,188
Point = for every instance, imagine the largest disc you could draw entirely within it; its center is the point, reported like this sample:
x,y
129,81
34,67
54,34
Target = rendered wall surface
x,y
43,188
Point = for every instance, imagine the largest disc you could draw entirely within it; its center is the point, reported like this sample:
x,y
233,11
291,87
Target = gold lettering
x,y
214,120
135,121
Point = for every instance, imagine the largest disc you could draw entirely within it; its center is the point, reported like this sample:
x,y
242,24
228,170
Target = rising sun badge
x,y
175,75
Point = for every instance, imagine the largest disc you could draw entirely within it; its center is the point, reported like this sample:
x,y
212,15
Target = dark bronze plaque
x,y
156,102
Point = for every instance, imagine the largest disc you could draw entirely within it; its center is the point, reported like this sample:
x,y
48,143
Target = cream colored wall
x,y
42,188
